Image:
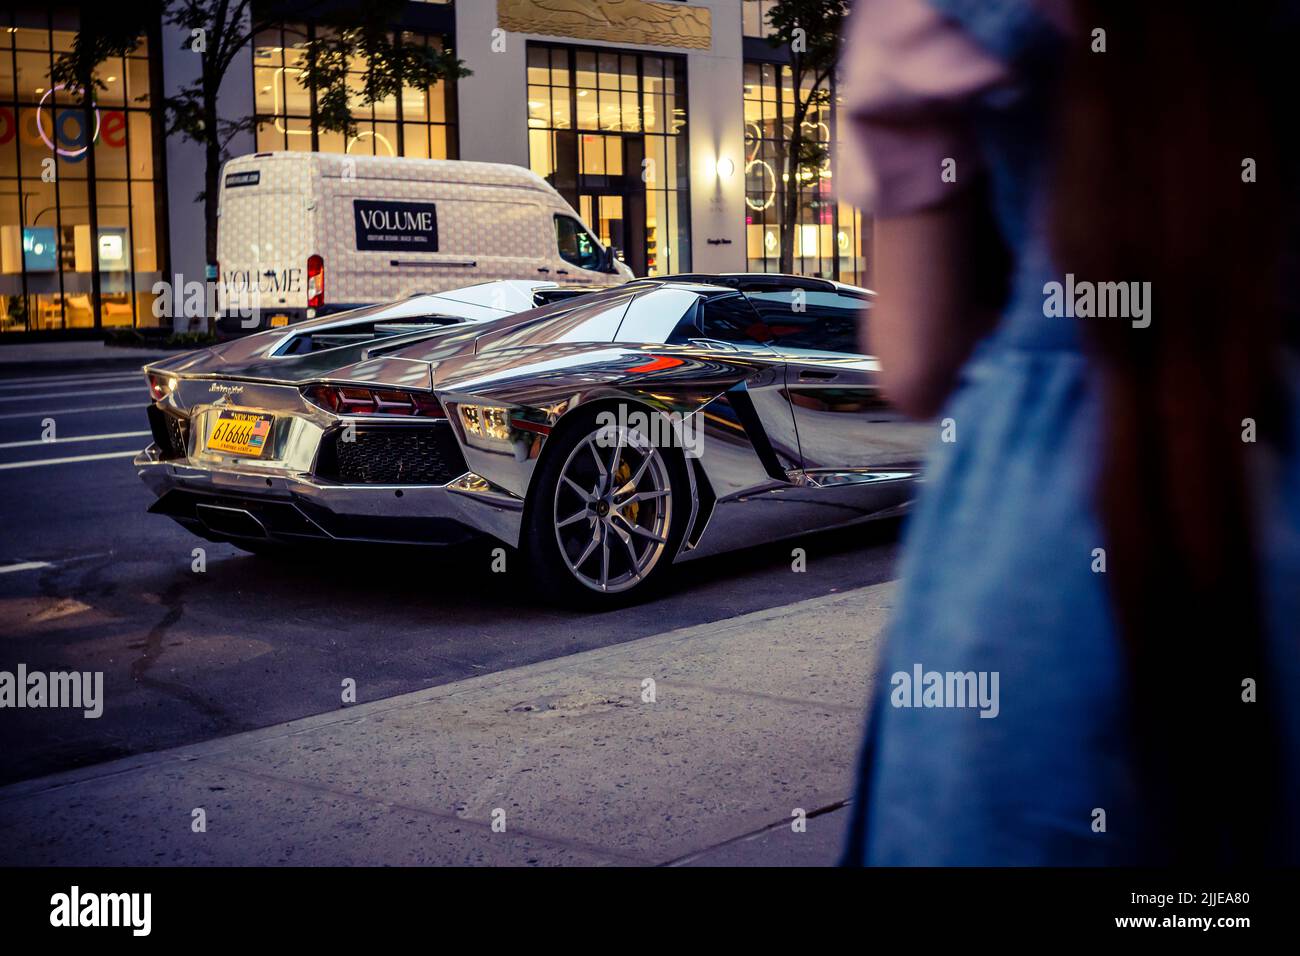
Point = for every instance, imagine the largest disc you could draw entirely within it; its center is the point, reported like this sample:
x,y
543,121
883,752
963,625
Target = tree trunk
x,y
790,195
92,201
211,172
782,177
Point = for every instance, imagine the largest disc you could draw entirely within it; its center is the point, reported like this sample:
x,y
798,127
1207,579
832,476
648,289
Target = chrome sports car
x,y
606,436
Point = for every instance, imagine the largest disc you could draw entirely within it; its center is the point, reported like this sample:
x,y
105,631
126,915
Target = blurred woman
x,y
1111,523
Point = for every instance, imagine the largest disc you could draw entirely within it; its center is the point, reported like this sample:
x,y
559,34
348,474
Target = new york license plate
x,y
241,433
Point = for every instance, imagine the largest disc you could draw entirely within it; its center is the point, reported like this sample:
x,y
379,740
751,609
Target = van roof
x,y
388,167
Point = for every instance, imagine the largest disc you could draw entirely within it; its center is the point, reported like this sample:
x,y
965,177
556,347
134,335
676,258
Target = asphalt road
x,y
90,582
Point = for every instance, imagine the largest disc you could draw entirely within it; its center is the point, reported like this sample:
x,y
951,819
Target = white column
x,y
716,126
493,102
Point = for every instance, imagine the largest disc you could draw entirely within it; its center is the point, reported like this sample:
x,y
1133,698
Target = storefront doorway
x,y
611,201
607,129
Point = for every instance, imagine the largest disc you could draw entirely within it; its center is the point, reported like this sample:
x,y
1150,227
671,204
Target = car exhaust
x,y
235,522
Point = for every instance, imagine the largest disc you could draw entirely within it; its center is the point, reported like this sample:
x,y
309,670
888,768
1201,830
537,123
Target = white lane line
x,y
36,565
12,383
67,461
92,391
24,566
73,411
60,441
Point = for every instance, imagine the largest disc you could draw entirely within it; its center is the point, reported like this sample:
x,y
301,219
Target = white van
x,y
305,234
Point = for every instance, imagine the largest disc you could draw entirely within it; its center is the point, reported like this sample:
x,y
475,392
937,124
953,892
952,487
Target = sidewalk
x,y
40,358
753,717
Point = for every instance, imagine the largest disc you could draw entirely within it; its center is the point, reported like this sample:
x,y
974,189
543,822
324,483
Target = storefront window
x,y
607,130
49,258
420,124
829,235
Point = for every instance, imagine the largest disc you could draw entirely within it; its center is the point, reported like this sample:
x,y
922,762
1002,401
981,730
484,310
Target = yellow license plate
x,y
241,433
279,320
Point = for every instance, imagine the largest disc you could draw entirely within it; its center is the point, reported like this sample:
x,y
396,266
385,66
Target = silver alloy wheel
x,y
613,509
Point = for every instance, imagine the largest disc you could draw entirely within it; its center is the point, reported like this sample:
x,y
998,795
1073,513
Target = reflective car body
x,y
432,432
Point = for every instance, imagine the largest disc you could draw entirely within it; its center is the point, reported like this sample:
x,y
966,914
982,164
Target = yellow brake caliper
x,y
621,477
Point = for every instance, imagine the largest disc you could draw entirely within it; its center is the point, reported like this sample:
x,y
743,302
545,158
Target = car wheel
x,y
606,515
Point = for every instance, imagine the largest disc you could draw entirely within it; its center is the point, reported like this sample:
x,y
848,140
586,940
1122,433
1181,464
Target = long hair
x,y
1161,136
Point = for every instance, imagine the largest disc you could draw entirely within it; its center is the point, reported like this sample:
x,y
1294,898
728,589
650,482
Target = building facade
x,y
662,122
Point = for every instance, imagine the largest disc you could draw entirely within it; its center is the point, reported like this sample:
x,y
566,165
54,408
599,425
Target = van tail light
x,y
356,400
315,282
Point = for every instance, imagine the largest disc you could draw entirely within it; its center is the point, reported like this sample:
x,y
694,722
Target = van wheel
x,y
607,513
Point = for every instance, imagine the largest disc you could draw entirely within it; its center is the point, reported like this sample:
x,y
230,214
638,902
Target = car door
x,y
846,430
757,414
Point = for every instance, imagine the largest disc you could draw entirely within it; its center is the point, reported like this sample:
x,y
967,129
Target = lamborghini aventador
x,y
605,436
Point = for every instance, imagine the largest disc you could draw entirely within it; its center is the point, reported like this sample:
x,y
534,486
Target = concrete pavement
x,y
752,718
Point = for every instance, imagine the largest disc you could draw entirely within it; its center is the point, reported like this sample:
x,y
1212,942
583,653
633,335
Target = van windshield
x,y
577,246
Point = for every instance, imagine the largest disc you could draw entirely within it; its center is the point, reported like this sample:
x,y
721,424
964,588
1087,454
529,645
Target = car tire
x,y
594,542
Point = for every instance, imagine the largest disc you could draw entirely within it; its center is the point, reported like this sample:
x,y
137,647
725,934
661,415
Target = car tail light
x,y
315,282
358,400
160,386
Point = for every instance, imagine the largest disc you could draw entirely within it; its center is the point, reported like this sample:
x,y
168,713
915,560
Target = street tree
x,y
809,31
218,30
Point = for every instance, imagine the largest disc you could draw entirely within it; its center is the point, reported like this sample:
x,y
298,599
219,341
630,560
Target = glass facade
x,y
607,130
62,230
421,123
829,237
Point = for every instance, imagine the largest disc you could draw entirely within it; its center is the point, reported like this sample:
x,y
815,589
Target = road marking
x,y
67,461
36,565
12,383
72,411
59,441
24,566
93,391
